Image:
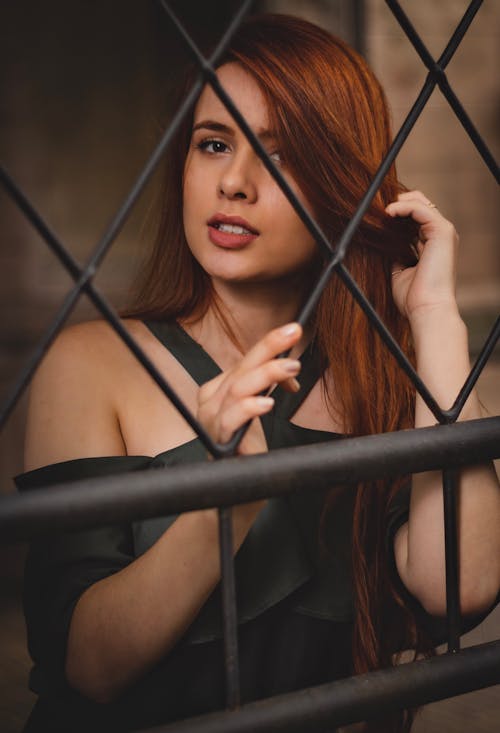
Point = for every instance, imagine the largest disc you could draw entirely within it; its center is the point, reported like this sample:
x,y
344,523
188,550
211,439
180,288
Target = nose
x,y
237,180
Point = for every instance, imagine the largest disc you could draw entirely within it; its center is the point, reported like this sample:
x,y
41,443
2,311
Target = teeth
x,y
231,229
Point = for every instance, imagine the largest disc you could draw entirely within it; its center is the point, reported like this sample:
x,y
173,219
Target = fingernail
x,y
265,401
292,366
295,384
290,329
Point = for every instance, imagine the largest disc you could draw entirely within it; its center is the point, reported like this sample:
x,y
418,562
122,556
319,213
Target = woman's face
x,y
238,223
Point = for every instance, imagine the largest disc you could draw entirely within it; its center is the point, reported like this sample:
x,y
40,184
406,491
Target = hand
x,y
233,397
431,282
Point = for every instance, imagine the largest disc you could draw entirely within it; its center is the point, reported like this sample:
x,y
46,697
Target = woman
x,y
124,623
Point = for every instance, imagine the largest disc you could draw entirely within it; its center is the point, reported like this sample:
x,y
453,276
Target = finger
x,y
240,413
417,195
275,342
251,381
421,212
289,385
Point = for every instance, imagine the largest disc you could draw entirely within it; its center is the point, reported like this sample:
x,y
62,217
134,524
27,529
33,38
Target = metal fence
x,y
446,446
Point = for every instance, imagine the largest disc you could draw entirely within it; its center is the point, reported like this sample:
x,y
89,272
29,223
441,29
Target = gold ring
x,y
431,205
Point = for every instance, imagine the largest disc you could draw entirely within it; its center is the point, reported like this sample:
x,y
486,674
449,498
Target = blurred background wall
x,y
85,89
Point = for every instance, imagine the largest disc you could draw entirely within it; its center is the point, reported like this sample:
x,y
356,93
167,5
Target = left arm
x,y
425,294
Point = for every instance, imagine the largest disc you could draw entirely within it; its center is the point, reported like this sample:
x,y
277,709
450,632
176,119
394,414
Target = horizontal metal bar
x,y
357,698
140,495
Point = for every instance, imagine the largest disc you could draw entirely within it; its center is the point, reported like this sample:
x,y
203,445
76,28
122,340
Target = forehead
x,y
245,93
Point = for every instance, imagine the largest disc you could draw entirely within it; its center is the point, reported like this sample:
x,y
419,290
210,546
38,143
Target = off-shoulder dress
x,y
295,605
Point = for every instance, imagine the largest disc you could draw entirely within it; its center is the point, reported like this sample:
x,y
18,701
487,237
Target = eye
x,y
212,146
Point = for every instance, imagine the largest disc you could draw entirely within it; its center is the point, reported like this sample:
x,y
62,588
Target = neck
x,y
251,312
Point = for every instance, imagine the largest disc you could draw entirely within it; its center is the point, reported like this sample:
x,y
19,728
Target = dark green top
x,y
294,600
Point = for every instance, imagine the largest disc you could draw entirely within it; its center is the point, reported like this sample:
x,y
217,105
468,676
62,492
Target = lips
x,y
230,232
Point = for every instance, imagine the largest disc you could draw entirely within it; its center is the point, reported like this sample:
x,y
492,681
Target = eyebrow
x,y
228,130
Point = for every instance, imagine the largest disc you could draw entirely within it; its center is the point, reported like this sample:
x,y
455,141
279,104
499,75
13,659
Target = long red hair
x,y
331,119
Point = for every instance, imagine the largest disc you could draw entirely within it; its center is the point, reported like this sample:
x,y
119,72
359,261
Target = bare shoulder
x,y
72,397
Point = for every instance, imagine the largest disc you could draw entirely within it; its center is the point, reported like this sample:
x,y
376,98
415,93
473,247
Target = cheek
x,y
279,203
298,229
288,220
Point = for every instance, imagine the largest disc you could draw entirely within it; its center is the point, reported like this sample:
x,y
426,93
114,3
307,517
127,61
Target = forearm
x,y
442,362
126,623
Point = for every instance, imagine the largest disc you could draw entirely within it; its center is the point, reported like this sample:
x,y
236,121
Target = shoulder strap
x,y
185,349
202,367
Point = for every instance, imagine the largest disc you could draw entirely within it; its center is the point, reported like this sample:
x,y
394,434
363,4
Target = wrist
x,y
425,317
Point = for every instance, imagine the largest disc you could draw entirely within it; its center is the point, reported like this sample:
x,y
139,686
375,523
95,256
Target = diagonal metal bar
x,y
203,63
436,69
476,370
40,225
379,176
28,370
419,46
121,216
450,486
470,129
459,32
